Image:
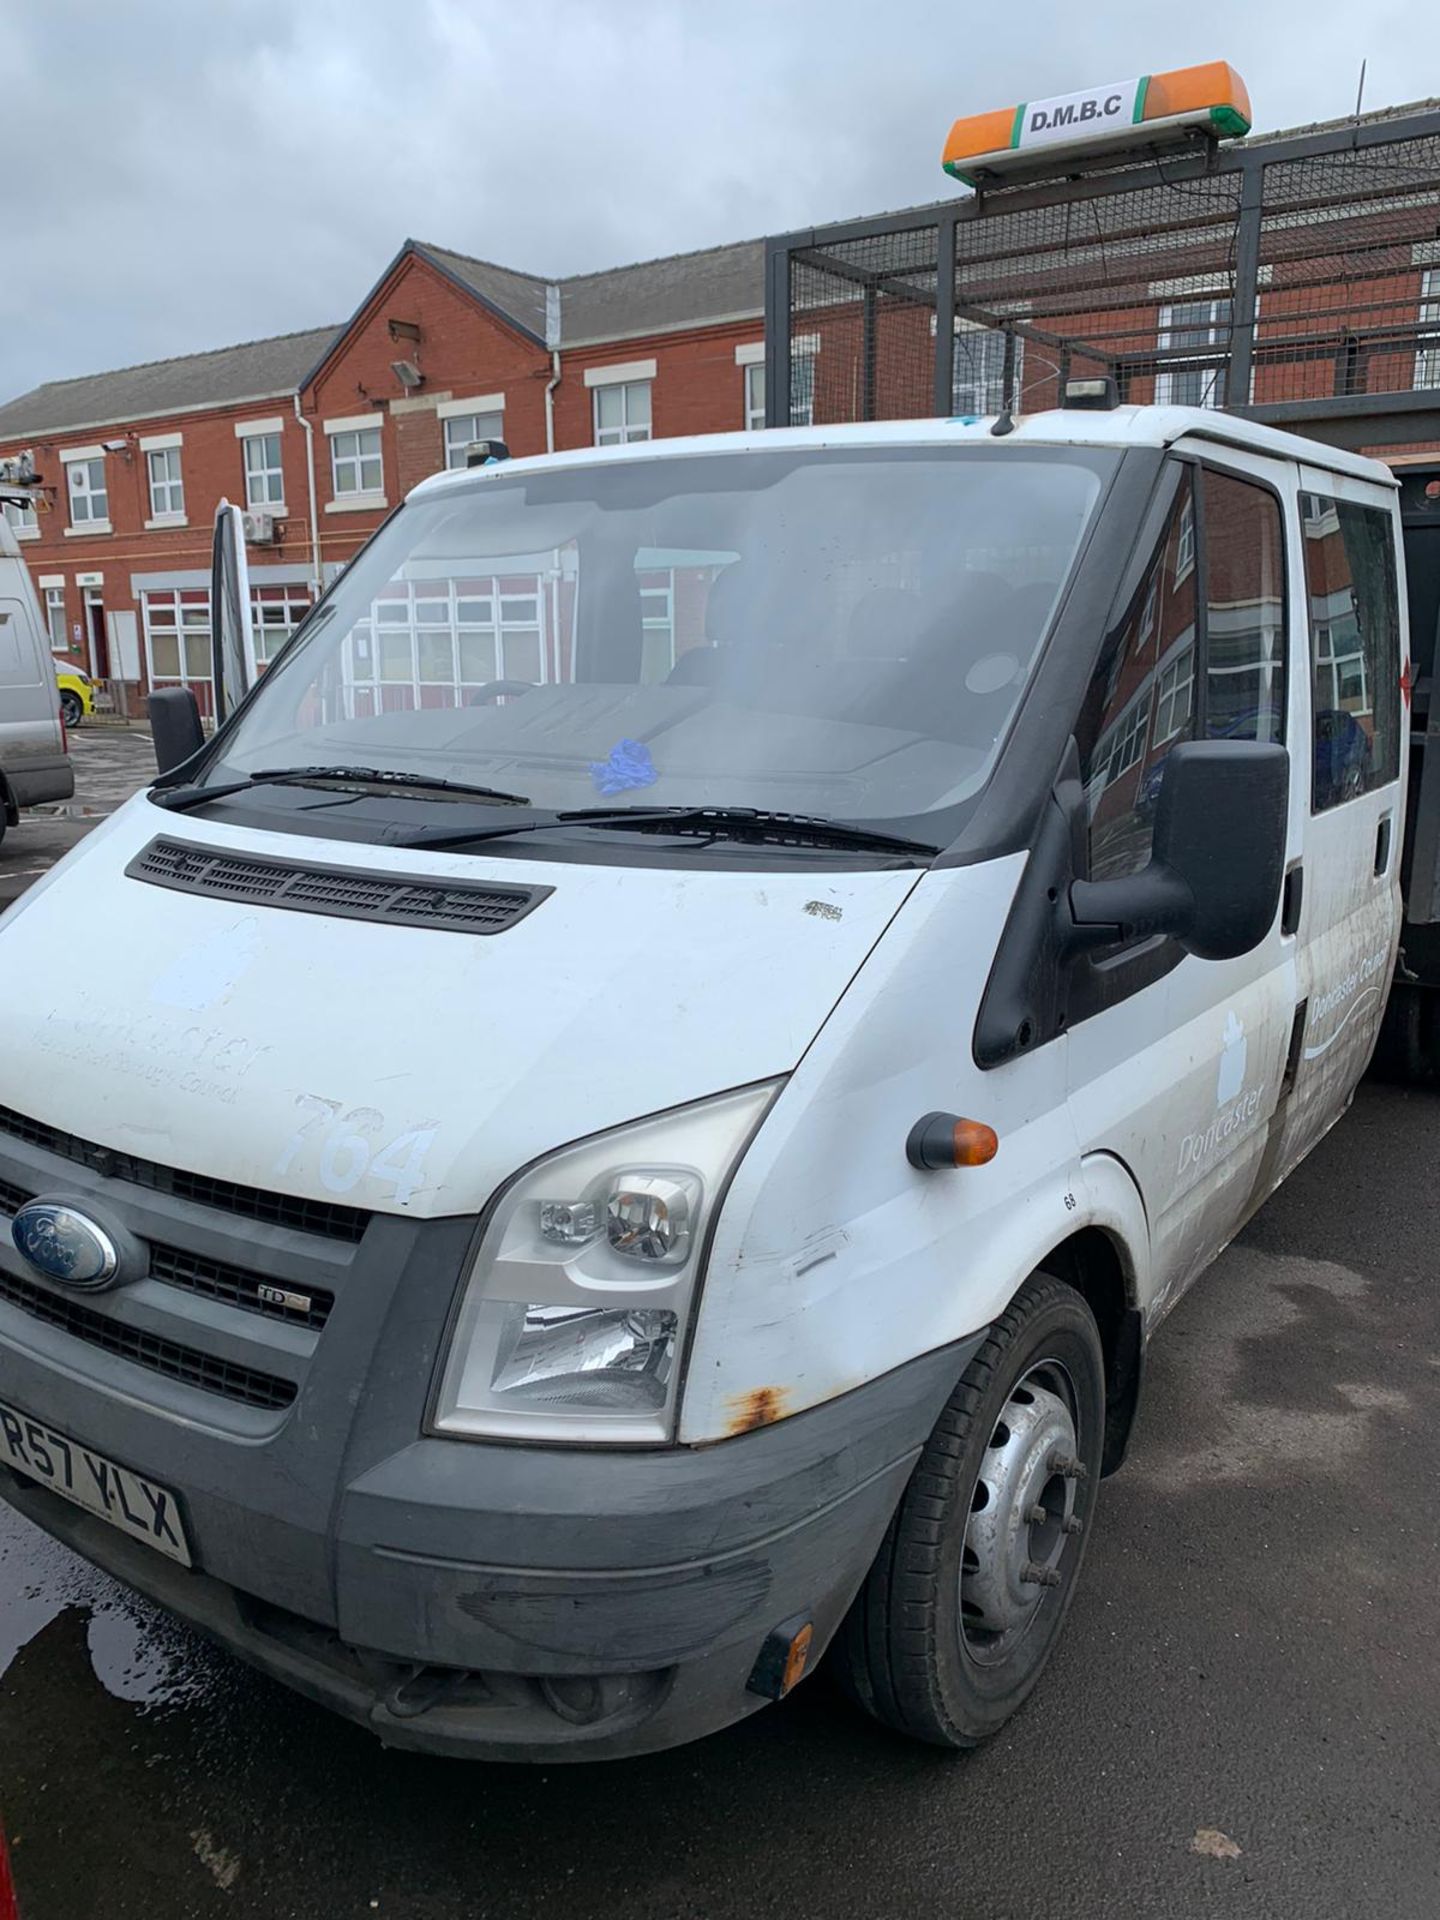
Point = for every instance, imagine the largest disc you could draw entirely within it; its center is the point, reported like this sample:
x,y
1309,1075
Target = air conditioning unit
x,y
260,529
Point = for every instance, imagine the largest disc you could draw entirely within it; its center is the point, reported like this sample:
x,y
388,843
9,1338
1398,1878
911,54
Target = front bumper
x,y
508,1602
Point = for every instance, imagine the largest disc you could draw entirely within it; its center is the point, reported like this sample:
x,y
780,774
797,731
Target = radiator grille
x,y
245,1385
460,906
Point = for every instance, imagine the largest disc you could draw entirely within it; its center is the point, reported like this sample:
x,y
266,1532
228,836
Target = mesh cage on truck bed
x,y
1295,279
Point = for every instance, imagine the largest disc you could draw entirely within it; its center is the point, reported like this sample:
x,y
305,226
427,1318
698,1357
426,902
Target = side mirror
x,y
1217,860
175,725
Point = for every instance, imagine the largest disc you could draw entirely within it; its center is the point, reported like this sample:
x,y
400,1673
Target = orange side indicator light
x,y
948,1140
783,1658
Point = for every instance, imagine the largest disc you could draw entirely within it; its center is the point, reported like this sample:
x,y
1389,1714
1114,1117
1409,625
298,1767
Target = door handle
x,y
1292,899
1382,845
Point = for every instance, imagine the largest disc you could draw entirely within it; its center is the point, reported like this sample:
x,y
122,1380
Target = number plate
x,y
127,1500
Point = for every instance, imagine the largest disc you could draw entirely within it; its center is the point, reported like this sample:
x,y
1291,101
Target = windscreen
x,y
834,633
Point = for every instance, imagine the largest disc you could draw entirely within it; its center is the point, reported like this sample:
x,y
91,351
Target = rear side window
x,y
1197,650
1354,648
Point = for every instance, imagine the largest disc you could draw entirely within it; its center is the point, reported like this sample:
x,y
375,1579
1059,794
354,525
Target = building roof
x,y
256,370
652,296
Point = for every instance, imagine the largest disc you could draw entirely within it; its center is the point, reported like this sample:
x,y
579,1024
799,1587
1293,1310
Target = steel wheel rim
x,y
1020,1532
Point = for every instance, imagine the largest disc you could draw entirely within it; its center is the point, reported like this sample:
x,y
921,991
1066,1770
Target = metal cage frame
x,y
1245,217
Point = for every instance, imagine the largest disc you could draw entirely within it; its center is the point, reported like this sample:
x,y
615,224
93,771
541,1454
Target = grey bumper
x,y
540,1604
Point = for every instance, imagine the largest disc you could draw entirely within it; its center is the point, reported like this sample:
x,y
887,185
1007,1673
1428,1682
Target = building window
x,y
802,387
167,491
622,413
1427,361
462,428
55,619
21,515
264,476
177,640
1173,696
355,461
1185,541
89,502
755,396
1201,325
977,380
802,382
275,612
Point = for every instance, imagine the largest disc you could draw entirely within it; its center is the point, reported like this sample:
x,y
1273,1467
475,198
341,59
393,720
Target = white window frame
x,y
1175,681
293,602
348,456
260,475
53,593
1427,359
804,352
178,600
164,479
24,522
1216,330
631,427
1146,629
1185,542
84,460
754,378
462,418
1128,741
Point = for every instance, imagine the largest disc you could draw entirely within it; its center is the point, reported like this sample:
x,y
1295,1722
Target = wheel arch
x,y
1096,1264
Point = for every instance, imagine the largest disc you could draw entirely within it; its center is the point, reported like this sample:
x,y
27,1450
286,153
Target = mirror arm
x,y
1109,913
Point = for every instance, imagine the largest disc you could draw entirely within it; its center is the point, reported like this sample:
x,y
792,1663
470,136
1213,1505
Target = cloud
x,y
199,173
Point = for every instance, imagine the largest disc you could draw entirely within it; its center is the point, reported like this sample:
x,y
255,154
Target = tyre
x,y
1408,1049
973,1581
72,709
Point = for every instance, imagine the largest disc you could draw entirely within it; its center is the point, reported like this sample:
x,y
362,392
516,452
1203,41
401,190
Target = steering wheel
x,y
494,689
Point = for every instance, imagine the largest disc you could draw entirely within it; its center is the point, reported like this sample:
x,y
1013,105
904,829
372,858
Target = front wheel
x,y
72,709
974,1579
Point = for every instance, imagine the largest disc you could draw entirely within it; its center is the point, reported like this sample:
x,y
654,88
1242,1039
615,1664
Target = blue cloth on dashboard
x,y
629,765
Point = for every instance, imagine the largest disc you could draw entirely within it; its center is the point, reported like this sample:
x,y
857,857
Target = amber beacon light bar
x,y
1150,111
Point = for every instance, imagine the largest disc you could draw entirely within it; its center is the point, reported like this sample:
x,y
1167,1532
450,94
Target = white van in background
x,y
34,763
652,1084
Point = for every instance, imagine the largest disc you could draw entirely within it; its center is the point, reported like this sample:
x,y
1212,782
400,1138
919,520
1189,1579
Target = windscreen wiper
x,y
721,823
182,799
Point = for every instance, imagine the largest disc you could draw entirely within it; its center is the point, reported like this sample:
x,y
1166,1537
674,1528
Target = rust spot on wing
x,y
758,1408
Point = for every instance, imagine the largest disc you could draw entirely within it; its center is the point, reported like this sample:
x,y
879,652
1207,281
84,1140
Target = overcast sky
x,y
181,174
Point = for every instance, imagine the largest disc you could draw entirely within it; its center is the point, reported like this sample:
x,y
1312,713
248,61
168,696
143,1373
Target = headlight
x,y
574,1311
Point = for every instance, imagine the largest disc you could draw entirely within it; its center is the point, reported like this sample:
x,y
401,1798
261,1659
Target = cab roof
x,y
1117,427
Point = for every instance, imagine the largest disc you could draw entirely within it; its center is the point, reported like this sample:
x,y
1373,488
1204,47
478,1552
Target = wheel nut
x,y
1068,1467
1036,1515
1072,1525
1036,1576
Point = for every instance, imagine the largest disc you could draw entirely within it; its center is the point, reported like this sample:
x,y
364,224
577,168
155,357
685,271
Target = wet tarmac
x,y
1243,1718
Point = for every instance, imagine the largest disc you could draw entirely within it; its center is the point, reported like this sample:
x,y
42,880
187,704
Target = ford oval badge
x,y
62,1244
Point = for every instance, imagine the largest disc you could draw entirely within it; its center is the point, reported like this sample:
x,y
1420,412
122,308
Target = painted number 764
x,y
351,1147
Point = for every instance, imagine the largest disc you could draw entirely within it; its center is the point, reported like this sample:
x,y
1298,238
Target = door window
x,y
1141,698
1354,648
1183,661
1244,611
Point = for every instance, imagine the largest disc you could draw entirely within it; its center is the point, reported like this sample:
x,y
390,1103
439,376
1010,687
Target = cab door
x,y
1350,907
1177,1063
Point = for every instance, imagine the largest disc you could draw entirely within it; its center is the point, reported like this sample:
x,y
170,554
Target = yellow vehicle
x,y
77,696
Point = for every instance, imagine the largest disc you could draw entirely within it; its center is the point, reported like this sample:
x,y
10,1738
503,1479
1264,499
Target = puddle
x,y
137,1653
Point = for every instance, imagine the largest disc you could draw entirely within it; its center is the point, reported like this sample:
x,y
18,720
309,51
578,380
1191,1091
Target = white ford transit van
x,y
651,1087
34,765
